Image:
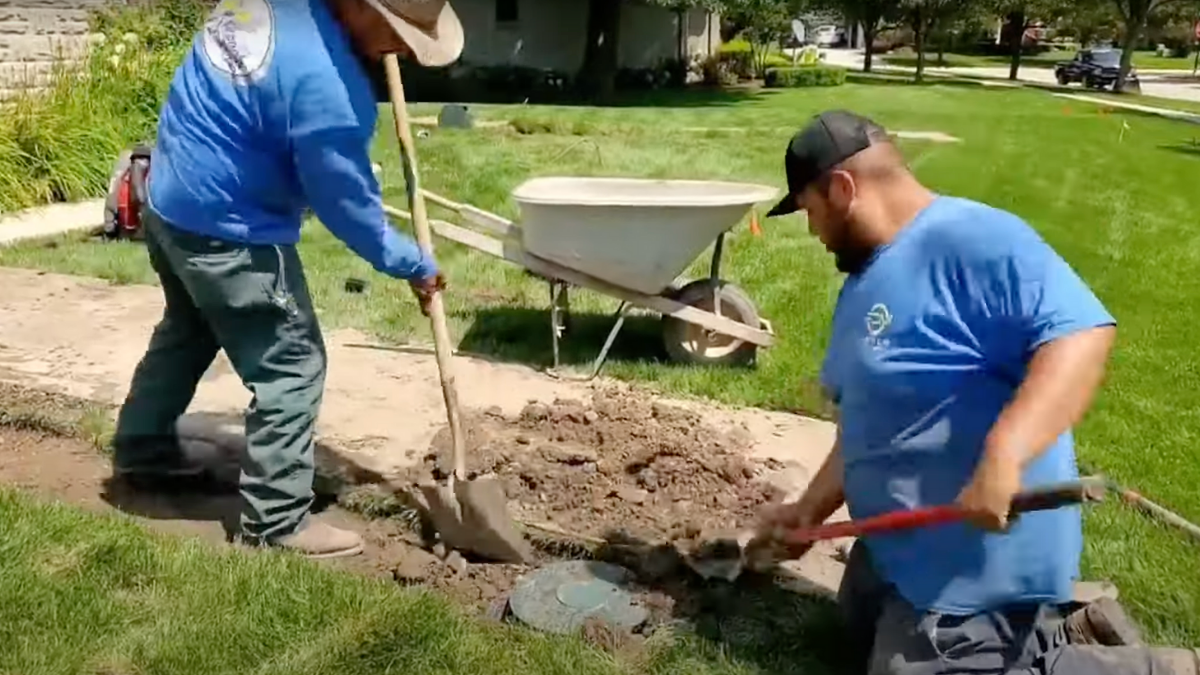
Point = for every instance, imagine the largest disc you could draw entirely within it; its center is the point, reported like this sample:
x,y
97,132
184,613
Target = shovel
x,y
468,514
726,558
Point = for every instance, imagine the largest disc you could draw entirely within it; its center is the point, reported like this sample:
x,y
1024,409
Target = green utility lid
x,y
560,598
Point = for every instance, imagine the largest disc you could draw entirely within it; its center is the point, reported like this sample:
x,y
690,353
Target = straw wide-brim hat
x,y
430,28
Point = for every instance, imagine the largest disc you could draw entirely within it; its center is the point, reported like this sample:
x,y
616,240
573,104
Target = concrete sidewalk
x,y
52,220
1150,110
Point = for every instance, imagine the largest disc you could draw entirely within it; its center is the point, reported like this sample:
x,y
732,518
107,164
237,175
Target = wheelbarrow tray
x,y
499,237
637,234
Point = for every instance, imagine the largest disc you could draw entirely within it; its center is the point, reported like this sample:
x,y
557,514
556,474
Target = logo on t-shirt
x,y
878,320
239,38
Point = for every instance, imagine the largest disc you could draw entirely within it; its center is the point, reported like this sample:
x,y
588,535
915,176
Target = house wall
x,y
551,34
33,33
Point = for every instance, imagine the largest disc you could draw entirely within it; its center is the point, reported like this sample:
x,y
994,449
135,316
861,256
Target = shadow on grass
x,y
889,80
778,630
689,97
522,335
1189,149
214,497
775,624
692,97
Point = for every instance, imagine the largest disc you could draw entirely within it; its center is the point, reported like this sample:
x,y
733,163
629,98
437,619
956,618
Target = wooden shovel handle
x,y
437,312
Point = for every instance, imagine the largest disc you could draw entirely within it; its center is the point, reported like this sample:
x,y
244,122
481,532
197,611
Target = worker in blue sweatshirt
x,y
271,113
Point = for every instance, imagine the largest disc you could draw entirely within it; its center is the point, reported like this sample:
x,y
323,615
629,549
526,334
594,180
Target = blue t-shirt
x,y
930,342
270,113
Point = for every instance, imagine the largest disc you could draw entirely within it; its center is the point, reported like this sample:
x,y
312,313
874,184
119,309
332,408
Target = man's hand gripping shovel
x,y
760,551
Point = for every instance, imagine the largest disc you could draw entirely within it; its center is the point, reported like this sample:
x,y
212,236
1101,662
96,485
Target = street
x,y
1170,84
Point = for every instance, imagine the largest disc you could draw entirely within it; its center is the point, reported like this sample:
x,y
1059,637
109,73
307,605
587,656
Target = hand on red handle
x,y
988,499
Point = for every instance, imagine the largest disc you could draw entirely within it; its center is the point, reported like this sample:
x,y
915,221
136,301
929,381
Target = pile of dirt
x,y
622,467
644,477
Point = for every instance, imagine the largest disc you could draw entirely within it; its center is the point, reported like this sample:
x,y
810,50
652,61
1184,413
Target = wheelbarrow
x,y
630,239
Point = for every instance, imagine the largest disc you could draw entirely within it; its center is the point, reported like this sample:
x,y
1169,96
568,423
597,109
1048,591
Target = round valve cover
x,y
560,598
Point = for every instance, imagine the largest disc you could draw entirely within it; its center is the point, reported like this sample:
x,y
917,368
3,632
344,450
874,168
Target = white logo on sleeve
x,y
239,38
878,320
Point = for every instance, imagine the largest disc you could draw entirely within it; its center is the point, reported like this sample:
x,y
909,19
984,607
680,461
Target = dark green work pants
x,y
253,302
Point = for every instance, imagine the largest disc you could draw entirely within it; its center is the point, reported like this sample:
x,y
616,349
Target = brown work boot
x,y
1102,622
1180,661
315,539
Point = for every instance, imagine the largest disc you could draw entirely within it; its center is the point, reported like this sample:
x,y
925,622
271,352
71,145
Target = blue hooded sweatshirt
x,y
273,112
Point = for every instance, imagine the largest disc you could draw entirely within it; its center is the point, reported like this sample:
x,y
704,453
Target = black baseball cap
x,y
828,140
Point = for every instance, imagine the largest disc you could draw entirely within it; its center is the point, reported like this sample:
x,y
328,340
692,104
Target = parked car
x,y
828,36
1095,68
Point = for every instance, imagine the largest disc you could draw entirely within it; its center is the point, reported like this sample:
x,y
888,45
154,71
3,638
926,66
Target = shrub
x,y
668,73
58,143
806,76
713,71
738,58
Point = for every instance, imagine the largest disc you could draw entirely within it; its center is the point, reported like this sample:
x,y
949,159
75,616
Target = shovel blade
x,y
488,529
444,513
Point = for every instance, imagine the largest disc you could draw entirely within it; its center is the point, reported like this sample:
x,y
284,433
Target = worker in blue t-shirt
x,y
963,350
271,113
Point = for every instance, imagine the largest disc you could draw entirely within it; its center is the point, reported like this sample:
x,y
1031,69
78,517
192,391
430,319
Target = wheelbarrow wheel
x,y
686,342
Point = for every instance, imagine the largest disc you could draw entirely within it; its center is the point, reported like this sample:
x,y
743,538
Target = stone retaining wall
x,y
34,33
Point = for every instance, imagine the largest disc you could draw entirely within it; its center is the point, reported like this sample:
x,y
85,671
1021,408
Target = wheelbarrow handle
x,y
1044,498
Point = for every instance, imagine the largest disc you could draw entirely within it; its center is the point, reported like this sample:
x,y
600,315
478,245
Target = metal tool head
x,y
719,557
472,515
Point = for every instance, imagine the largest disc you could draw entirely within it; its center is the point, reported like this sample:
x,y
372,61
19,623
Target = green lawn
x,y
1123,213
1141,60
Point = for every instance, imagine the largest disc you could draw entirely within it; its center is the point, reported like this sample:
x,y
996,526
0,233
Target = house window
x,y
507,11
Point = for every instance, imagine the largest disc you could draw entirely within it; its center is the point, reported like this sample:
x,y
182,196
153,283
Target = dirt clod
x,y
456,563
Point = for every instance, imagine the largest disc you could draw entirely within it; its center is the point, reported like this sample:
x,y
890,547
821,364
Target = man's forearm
x,y
1062,380
826,492
335,172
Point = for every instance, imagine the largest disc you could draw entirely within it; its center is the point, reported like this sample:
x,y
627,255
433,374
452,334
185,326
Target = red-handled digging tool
x,y
726,558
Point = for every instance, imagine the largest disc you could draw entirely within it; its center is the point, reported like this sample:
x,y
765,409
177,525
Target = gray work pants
x,y
890,637
253,302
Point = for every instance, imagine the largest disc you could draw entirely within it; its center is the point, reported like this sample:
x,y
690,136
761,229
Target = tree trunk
x,y
681,17
869,48
1135,24
598,74
941,53
919,39
1015,29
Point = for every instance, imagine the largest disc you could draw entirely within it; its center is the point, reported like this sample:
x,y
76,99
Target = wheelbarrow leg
x,y
715,272
560,314
598,364
619,315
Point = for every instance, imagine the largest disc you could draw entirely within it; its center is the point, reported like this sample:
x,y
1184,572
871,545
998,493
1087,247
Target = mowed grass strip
x,y
1120,207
